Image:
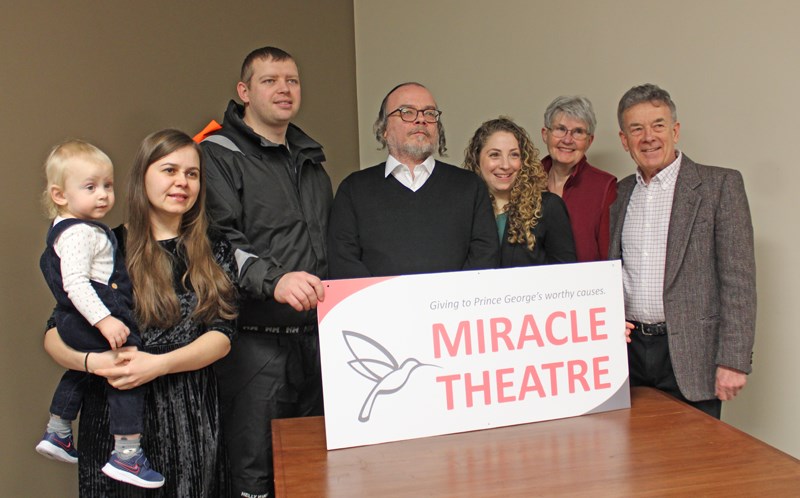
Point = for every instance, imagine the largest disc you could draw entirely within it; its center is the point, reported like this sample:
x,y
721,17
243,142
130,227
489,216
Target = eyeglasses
x,y
562,131
409,114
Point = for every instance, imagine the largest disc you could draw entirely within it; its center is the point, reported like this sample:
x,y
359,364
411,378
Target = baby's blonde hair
x,y
57,165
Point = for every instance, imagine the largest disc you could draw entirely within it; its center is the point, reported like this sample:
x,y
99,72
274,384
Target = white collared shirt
x,y
644,244
402,173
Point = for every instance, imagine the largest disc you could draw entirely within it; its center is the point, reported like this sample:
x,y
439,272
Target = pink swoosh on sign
x,y
337,290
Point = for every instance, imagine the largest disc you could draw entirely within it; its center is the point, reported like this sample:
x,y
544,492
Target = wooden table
x,y
660,447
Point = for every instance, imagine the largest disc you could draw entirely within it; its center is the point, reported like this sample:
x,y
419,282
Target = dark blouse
x,y
182,429
554,242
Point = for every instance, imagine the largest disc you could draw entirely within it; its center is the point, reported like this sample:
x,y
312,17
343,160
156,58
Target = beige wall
x,y
731,67
112,72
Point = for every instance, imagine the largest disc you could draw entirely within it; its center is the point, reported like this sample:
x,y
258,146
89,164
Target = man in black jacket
x,y
268,191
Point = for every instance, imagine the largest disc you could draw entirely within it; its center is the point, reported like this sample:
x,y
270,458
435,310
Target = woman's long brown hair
x,y
150,266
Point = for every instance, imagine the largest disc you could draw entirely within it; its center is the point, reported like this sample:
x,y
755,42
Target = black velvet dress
x,y
182,430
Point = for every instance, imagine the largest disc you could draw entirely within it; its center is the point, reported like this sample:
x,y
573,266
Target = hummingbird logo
x,y
378,365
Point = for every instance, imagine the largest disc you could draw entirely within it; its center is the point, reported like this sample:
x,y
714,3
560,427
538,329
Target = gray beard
x,y
418,152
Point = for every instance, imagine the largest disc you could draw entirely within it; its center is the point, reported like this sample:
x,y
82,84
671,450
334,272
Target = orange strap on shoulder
x,y
208,130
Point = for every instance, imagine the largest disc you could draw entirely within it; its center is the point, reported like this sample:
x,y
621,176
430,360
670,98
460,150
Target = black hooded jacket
x,y
272,202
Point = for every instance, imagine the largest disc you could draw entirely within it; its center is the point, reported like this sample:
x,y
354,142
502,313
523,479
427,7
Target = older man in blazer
x,y
684,235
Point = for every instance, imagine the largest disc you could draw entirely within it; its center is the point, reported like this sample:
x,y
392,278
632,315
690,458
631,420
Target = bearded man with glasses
x,y
411,214
587,191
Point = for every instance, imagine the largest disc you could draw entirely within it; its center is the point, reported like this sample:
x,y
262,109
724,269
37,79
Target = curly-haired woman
x,y
532,223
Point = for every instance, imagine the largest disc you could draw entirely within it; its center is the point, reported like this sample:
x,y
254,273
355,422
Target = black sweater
x,y
554,241
378,227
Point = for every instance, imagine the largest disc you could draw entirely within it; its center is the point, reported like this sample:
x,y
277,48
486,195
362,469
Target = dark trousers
x,y
650,365
264,377
125,407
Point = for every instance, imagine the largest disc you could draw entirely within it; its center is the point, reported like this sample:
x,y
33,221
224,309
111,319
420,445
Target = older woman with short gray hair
x,y
568,132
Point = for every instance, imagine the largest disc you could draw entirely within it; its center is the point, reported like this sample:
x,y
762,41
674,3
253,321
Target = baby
x,y
93,311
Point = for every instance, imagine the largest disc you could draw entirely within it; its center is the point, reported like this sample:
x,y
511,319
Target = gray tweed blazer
x,y
709,276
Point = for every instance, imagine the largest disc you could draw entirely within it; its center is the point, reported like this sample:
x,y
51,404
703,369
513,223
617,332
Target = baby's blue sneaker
x,y
134,470
58,448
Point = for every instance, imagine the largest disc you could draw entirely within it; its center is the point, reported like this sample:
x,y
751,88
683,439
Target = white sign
x,y
423,355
